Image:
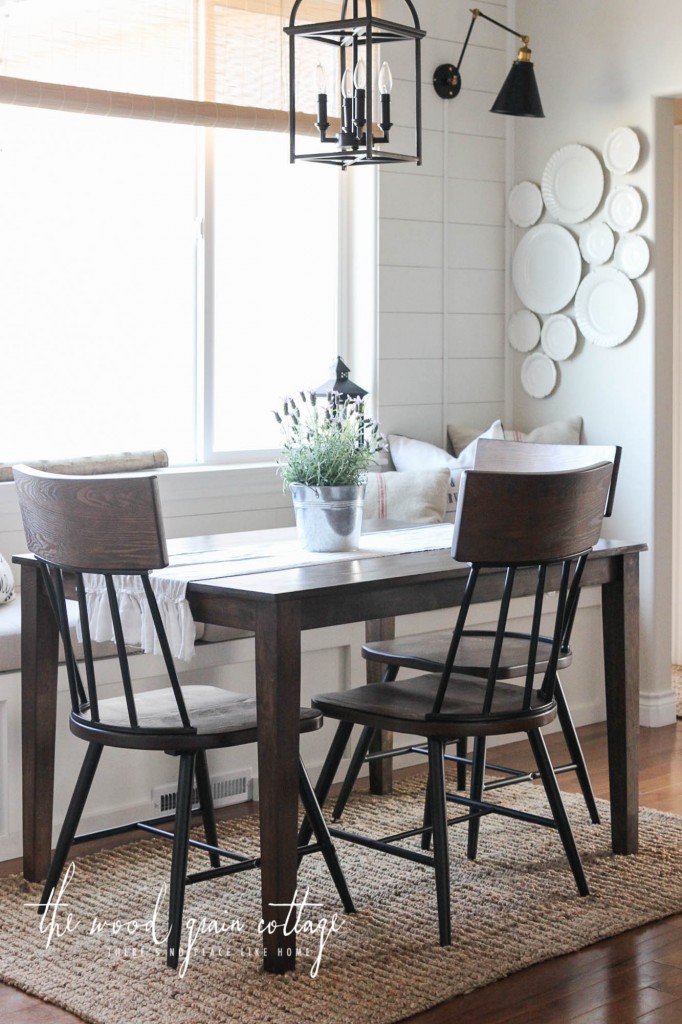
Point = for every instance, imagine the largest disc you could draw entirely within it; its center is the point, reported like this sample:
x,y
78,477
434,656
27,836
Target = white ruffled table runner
x,y
170,584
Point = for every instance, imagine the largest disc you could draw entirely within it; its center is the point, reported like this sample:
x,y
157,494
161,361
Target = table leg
x,y
620,618
380,772
39,653
278,691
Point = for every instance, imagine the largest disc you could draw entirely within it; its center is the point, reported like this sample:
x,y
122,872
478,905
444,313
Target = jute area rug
x,y
515,906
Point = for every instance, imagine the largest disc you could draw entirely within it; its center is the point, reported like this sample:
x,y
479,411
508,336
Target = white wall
x,y
600,66
445,248
441,236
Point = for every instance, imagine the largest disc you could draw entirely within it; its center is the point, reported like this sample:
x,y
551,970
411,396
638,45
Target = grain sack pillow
x,y
413,497
408,454
6,582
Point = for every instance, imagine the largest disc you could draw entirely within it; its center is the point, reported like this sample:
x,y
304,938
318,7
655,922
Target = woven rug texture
x,y
101,954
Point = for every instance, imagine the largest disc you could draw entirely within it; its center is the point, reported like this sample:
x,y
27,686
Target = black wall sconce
x,y
360,140
518,96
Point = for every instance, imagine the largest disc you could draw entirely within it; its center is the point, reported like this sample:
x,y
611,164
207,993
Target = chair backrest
x,y
529,457
105,525
544,523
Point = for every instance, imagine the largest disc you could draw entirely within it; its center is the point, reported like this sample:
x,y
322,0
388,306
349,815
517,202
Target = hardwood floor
x,y
636,976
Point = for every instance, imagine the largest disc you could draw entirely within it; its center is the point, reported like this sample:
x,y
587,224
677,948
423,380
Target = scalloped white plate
x,y
632,255
524,204
546,268
606,307
572,184
596,243
621,150
558,337
523,330
623,208
538,375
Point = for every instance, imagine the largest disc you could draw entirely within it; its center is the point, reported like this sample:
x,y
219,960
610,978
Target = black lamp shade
x,y
519,95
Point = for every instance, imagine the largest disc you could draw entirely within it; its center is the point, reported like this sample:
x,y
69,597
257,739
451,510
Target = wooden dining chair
x,y
428,652
541,525
113,526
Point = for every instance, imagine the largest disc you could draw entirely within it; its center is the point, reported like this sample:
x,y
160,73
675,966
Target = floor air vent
x,y
231,788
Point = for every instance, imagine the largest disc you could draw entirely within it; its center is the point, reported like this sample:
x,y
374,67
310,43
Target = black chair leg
x,y
438,806
461,766
427,818
319,827
357,761
324,782
575,751
180,853
206,804
477,780
71,821
556,804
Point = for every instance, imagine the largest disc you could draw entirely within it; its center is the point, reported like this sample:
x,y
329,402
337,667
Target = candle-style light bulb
x,y
385,85
320,80
385,80
321,85
347,84
360,75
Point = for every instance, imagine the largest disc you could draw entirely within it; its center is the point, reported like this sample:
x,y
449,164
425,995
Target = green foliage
x,y
327,446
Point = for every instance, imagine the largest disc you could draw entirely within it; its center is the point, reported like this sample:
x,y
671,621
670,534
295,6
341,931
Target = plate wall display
x,y
572,184
559,336
538,375
523,330
596,243
606,307
546,268
632,255
623,208
525,204
621,150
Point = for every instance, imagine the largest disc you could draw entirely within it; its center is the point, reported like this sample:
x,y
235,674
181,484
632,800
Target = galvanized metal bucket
x,y
328,518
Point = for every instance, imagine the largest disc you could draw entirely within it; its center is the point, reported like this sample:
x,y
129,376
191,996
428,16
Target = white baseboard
x,y
657,709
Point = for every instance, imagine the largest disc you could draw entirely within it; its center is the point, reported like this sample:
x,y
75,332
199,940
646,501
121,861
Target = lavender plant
x,y
327,445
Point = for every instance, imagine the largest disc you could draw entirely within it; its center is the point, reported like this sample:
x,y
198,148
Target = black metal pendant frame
x,y
357,143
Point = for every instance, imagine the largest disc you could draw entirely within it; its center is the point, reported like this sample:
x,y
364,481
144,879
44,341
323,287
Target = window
x,y
103,280
163,285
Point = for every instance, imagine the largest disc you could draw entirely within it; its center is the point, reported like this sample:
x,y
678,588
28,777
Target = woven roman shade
x,y
219,63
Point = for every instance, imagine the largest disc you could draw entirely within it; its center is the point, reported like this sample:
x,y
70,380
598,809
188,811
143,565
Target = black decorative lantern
x,y
359,140
341,385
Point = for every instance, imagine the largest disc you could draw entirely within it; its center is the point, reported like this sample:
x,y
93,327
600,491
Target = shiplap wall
x,y
441,234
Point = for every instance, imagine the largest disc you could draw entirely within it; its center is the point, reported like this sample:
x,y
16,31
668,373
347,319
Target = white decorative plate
x,y
572,184
596,243
523,330
623,208
558,336
606,307
621,150
524,204
546,268
538,375
632,255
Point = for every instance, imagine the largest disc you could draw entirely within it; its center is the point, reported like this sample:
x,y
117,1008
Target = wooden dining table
x,y
277,606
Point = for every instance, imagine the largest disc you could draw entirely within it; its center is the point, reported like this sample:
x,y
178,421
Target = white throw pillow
x,y
6,582
559,432
408,454
419,497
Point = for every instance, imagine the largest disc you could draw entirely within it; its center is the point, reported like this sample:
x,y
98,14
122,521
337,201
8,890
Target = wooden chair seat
x,y
427,652
220,718
405,705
